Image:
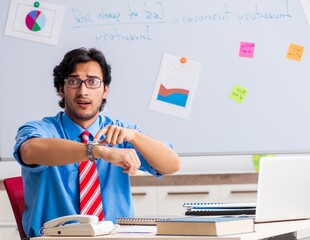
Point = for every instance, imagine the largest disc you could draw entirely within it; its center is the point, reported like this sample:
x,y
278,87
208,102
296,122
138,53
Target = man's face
x,y
82,104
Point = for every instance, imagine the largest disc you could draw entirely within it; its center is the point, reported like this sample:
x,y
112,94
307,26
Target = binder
x,y
214,209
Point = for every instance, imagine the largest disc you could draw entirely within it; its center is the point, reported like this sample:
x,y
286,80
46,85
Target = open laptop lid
x,y
283,188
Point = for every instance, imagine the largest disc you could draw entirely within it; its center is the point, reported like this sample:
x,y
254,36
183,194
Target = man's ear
x,y
105,93
61,92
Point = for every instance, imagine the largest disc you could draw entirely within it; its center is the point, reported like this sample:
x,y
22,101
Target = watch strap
x,y
89,150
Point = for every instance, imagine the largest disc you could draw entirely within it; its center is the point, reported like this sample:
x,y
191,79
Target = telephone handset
x,y
77,225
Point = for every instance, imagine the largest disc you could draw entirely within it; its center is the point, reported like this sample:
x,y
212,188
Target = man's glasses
x,y
92,82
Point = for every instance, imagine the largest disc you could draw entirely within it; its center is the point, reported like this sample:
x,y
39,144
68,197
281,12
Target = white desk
x,y
262,231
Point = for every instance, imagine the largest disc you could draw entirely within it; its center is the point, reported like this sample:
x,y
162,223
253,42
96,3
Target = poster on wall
x,y
35,21
175,87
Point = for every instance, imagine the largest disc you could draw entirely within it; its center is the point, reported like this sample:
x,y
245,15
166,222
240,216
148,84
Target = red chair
x,y
15,189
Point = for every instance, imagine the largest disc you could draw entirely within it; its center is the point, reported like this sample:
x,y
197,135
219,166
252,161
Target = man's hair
x,y
69,62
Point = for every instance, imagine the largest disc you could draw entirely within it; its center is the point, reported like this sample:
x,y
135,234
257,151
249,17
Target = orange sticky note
x,y
295,52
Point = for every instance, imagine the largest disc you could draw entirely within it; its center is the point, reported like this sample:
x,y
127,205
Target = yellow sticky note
x,y
238,94
295,52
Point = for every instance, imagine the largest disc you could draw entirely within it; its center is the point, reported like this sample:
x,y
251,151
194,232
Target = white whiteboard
x,y
134,34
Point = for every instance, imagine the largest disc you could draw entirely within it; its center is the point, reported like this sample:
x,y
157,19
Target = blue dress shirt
x,y
53,191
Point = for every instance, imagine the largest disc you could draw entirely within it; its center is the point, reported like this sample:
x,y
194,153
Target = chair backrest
x,y
15,189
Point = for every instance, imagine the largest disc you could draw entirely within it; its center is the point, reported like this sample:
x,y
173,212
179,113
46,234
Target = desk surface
x,y
262,230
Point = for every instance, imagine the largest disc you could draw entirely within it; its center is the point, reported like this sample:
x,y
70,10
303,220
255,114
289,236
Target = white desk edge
x,y
262,230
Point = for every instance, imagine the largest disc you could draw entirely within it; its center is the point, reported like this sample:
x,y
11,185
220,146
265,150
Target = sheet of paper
x,y
306,7
136,229
35,21
176,84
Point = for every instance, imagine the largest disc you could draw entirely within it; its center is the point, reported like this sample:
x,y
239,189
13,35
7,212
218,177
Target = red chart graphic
x,y
35,20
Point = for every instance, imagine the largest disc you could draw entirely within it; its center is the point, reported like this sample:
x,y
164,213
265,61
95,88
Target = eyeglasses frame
x,y
84,81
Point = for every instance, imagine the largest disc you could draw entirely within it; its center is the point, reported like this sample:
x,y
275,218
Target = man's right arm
x,y
57,151
51,151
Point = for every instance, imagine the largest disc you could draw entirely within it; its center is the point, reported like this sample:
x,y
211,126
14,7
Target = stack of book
x,y
193,225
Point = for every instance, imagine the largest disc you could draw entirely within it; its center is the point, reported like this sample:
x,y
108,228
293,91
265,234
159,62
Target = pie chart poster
x,y
35,21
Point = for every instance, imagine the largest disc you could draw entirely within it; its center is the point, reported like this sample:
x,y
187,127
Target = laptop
x,y
283,189
283,193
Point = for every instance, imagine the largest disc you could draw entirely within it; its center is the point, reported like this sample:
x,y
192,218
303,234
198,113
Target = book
x,y
205,226
144,220
212,209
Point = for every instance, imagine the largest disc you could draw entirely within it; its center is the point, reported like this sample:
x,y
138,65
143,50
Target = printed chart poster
x,y
175,87
35,21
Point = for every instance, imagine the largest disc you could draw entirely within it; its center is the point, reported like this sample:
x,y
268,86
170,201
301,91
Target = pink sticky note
x,y
246,49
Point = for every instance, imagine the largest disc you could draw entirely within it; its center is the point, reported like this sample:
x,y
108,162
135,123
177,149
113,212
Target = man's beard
x,y
83,117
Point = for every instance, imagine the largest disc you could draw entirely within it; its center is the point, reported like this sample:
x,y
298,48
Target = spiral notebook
x,y
282,193
144,220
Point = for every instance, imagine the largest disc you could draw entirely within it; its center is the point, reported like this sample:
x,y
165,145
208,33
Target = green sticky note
x,y
238,94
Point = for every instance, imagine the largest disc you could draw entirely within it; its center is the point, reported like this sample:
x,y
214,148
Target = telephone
x,y
77,225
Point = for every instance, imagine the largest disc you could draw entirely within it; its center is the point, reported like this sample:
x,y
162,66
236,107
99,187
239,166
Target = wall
x,y
134,35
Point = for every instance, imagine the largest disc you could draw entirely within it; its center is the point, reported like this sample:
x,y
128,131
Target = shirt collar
x,y
73,130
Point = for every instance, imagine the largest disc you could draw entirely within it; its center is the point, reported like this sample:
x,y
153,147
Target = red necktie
x,y
90,193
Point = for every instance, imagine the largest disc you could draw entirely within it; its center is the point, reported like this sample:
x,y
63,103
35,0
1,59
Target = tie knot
x,y
85,136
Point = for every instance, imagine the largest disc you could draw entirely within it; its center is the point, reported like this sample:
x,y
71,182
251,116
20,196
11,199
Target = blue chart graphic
x,y
176,96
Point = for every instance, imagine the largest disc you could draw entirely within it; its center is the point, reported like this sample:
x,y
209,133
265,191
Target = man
x,y
50,151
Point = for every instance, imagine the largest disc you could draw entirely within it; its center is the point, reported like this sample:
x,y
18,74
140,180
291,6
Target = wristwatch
x,y
89,150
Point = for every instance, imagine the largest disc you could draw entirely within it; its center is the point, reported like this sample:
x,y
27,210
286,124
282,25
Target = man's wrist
x,y
89,150
134,136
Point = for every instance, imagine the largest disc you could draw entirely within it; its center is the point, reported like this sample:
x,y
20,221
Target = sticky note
x,y
238,94
295,52
246,49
